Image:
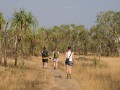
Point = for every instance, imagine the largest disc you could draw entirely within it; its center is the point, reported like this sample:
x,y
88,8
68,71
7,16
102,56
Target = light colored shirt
x,y
69,55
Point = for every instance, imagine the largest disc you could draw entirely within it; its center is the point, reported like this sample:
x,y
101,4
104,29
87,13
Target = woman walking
x,y
55,58
45,55
69,61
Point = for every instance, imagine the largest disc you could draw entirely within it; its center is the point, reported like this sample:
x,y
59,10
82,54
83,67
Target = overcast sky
x,y
57,12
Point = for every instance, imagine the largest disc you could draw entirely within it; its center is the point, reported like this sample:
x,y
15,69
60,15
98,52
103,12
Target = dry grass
x,y
25,77
30,76
104,76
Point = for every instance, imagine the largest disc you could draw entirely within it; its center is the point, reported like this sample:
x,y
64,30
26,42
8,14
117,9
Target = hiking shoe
x,y
67,76
54,68
70,76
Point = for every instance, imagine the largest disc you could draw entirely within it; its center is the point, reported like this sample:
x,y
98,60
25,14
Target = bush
x,y
95,61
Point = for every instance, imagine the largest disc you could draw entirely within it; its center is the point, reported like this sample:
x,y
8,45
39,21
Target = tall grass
x,y
28,78
29,75
103,76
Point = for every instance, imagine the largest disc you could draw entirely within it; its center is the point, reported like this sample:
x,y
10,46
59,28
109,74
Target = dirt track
x,y
60,81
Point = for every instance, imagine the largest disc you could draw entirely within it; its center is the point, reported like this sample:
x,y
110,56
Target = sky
x,y
57,12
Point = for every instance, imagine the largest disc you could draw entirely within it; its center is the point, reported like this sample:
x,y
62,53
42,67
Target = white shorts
x,y
55,59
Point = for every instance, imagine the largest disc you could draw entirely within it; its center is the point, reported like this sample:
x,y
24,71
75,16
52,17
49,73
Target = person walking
x,y
55,58
69,61
45,57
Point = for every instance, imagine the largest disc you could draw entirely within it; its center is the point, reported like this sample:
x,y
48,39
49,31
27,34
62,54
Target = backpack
x,y
55,54
45,54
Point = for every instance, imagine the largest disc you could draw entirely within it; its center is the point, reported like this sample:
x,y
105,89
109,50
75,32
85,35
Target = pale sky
x,y
56,12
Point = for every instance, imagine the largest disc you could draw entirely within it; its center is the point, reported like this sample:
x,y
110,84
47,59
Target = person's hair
x,y
55,48
69,47
44,48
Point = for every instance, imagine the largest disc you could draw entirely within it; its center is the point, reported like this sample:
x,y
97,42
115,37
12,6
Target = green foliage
x,y
102,38
21,65
95,61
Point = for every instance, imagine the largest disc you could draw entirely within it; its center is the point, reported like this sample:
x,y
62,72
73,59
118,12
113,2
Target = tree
x,y
106,32
84,38
21,21
5,45
2,21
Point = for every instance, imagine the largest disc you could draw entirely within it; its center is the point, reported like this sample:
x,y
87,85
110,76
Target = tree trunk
x,y
79,51
85,49
16,54
5,46
0,45
0,52
32,45
5,56
119,52
16,51
100,51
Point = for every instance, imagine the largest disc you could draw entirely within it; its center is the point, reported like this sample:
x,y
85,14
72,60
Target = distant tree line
x,y
22,35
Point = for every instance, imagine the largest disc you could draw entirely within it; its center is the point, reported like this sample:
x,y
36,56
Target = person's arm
x,y
73,56
41,53
65,57
58,54
53,55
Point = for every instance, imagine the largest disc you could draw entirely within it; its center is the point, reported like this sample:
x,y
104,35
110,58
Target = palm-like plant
x,y
21,21
30,20
2,21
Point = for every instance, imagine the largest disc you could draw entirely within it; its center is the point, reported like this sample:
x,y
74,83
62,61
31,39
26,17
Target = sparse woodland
x,y
20,36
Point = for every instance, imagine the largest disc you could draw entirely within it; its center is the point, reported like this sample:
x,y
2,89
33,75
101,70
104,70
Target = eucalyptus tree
x,y
34,41
61,37
84,38
65,36
116,22
74,33
108,23
97,40
55,35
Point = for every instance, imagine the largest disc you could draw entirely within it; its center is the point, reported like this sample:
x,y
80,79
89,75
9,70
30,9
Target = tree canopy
x,y
25,38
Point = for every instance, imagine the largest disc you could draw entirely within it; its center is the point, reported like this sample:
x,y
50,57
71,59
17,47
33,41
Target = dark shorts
x,y
68,63
45,60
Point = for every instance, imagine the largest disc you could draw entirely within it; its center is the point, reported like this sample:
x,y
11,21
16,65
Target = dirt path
x,y
60,81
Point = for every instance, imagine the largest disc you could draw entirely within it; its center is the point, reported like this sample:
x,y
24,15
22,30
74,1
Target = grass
x,y
103,76
27,78
30,76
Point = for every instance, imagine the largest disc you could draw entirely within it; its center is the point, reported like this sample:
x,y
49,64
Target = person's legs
x,y
70,72
67,71
56,64
46,62
43,63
